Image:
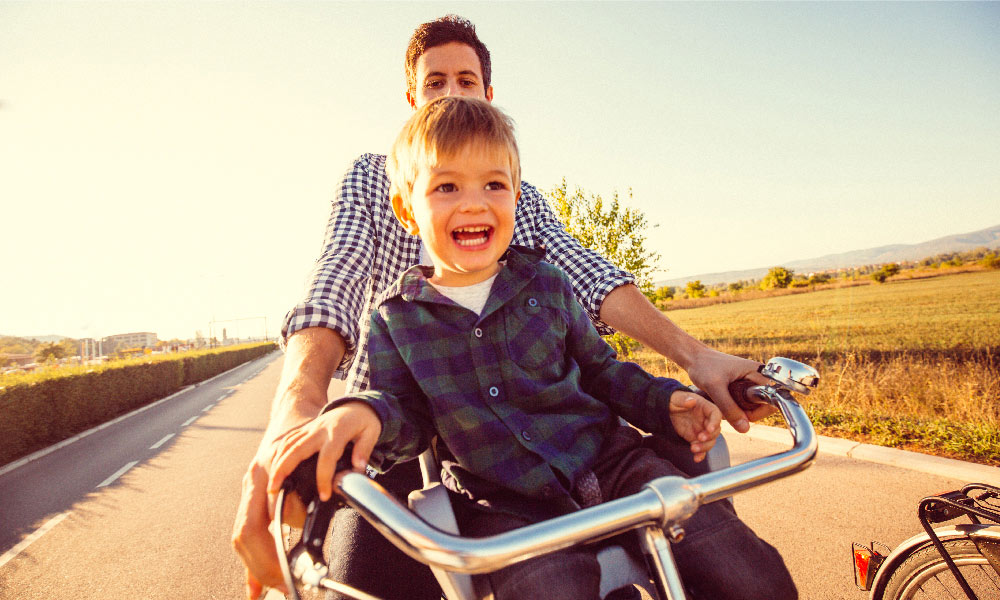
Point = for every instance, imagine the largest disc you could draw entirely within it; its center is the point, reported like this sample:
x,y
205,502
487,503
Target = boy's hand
x,y
328,434
696,420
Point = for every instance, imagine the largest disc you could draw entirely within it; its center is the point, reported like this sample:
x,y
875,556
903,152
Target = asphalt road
x,y
161,527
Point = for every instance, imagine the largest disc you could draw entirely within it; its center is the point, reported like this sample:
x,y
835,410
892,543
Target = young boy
x,y
490,351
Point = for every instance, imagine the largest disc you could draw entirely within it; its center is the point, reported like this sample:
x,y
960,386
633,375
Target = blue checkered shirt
x,y
522,395
366,250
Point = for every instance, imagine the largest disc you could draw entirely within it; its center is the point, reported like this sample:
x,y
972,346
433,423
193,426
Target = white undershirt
x,y
472,297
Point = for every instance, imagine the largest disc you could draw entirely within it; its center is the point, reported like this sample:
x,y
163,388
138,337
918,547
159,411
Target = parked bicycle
x,y
657,514
948,561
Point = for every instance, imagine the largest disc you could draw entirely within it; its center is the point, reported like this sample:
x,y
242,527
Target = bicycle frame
x,y
662,506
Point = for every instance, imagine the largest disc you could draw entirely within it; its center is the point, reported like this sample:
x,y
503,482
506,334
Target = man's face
x,y
448,70
463,210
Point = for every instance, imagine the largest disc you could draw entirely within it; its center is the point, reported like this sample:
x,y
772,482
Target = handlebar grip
x,y
303,478
738,390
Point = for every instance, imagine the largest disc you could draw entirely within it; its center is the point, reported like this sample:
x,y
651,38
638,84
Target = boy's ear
x,y
404,214
517,196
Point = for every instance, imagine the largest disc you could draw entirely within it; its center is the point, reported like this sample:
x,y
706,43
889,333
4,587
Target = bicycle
x,y
949,561
657,513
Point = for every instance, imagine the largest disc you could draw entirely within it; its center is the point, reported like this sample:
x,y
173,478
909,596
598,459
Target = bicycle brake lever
x,y
304,561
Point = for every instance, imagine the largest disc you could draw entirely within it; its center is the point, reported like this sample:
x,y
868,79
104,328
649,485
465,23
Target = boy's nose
x,y
473,202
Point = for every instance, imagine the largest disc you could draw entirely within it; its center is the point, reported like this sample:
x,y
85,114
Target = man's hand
x,y
712,372
311,356
251,538
627,310
696,420
327,435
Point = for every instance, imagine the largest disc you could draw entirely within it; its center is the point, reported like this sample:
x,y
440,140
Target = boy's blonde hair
x,y
443,127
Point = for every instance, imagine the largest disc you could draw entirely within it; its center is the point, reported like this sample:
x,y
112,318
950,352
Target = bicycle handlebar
x,y
666,501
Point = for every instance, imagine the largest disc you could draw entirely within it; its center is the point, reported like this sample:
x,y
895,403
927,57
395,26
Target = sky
x,y
169,166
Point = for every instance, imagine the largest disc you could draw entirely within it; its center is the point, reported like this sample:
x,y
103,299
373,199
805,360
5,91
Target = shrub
x,y
777,277
42,409
991,261
695,289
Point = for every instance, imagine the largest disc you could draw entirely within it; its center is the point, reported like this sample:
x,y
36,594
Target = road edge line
x,y
33,537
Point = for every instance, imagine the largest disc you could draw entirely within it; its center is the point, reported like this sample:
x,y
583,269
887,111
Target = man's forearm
x,y
627,310
311,357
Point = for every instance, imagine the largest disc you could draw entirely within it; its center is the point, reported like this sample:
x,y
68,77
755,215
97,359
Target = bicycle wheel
x,y
924,575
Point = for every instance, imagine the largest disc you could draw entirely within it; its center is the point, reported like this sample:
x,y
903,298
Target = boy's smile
x,y
463,209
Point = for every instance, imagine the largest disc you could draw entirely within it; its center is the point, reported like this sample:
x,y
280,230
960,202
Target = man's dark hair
x,y
447,29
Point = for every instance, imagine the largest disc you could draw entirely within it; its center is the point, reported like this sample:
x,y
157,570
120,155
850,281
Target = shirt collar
x,y
520,268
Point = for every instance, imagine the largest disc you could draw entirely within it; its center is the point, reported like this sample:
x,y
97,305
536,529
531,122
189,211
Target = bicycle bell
x,y
791,374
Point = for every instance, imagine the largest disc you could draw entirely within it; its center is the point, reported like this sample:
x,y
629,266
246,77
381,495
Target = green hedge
x,y
41,410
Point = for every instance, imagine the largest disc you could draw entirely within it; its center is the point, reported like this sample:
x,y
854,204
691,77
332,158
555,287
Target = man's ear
x,y
489,94
404,214
411,99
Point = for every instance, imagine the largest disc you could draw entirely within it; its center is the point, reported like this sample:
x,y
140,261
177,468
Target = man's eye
x,y
445,187
432,84
469,83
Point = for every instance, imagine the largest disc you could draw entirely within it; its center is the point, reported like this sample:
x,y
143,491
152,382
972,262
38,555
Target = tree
x,y
695,289
70,347
991,261
617,233
818,278
890,269
777,277
663,293
49,351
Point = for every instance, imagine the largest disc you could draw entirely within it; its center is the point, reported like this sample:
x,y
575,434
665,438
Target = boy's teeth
x,y
471,236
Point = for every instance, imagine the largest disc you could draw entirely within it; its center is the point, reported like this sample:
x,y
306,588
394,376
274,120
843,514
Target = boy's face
x,y
450,69
463,210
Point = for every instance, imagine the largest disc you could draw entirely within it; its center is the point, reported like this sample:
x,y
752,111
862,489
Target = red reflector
x,y
862,558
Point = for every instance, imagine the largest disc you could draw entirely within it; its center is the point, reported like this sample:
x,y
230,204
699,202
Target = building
x,y
123,341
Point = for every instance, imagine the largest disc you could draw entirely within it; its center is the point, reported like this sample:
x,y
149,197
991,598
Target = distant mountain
x,y
989,237
40,338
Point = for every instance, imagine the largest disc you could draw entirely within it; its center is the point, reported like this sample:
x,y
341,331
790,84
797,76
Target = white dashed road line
x,y
206,409
20,547
161,442
118,474
189,421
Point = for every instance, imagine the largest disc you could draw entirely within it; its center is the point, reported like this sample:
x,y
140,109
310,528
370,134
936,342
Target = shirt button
x,y
532,302
526,436
494,391
478,332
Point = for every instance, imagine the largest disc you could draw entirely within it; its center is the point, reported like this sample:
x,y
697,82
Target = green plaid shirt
x,y
522,395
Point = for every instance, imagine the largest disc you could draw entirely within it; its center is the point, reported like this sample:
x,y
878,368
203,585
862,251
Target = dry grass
x,y
911,364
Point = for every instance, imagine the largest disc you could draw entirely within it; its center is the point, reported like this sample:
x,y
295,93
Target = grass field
x,y
912,364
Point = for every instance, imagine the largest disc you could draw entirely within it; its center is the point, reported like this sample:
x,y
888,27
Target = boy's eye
x,y
445,187
496,185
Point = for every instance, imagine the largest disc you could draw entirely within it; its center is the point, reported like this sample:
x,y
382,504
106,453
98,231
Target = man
x,y
365,251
